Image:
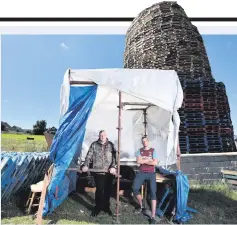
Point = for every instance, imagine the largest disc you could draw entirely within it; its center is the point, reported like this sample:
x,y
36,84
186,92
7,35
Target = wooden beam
x,y
118,155
46,182
82,82
233,182
145,122
178,157
39,219
161,179
49,138
135,109
229,172
231,177
137,103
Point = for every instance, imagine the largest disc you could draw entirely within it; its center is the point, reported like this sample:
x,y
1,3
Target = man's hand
x,y
84,169
112,171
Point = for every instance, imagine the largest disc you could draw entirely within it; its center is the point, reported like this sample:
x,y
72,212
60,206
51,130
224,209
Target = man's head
x,y
145,142
102,136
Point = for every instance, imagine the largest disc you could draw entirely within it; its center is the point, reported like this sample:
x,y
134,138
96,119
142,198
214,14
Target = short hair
x,y
144,138
101,131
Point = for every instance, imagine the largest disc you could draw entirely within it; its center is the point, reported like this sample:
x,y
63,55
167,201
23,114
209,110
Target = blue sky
x,y
33,67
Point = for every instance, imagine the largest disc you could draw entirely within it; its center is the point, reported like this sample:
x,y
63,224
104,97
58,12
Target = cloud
x,y
64,46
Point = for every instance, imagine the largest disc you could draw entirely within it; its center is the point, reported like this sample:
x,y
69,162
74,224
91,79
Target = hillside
x,y
13,129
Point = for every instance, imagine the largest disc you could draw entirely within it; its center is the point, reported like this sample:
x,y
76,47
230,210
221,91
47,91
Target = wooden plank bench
x,y
230,176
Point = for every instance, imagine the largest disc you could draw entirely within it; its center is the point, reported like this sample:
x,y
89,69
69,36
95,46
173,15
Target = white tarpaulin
x,y
141,87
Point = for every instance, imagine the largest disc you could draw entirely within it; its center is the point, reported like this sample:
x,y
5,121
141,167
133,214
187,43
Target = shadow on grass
x,y
15,205
214,206
83,199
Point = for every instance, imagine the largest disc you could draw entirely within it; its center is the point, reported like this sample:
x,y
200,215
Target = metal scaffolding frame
x,y
119,128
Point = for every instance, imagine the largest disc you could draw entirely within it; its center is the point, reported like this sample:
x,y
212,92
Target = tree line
x,y
41,126
38,128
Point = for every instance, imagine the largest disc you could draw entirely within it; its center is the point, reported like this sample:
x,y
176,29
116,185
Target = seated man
x,y
147,158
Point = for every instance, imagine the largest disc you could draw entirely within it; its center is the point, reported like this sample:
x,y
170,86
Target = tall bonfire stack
x,y
163,37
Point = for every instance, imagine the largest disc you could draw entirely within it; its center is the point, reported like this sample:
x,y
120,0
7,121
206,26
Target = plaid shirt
x,y
102,156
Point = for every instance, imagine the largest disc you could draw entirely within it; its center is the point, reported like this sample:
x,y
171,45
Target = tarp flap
x,y
182,186
160,87
182,214
67,145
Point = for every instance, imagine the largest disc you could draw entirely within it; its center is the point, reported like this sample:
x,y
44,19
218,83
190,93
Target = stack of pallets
x,y
230,176
163,37
211,116
192,127
205,118
226,127
20,170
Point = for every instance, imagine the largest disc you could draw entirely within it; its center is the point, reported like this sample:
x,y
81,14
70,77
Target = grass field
x,y
216,204
19,142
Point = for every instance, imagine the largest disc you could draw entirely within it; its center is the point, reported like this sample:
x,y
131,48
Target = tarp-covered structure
x,y
88,103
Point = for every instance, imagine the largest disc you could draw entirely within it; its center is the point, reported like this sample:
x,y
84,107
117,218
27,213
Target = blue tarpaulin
x,y
182,210
182,186
67,144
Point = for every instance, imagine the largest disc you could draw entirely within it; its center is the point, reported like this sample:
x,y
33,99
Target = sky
x,y
33,67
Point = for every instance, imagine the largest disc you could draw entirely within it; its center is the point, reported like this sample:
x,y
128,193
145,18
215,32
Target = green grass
x,y
19,142
28,220
22,136
216,204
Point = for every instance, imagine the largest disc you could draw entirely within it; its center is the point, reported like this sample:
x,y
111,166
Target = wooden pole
x,y
46,182
82,83
39,219
118,155
178,157
145,134
145,122
137,104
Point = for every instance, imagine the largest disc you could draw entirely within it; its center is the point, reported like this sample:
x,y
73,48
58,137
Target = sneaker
x,y
139,210
153,220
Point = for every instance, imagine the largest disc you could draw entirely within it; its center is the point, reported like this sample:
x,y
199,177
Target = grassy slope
x,y
216,204
19,142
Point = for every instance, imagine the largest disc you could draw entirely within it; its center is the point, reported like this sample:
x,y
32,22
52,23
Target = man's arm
x,y
140,160
154,161
89,155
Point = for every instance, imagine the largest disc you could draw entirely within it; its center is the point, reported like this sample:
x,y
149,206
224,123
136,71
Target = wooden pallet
x,y
229,172
230,176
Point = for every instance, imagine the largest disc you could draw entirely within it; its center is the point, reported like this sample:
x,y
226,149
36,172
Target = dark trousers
x,y
103,190
139,180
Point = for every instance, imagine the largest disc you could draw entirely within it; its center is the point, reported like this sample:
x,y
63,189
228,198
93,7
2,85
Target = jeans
x,y
103,190
139,180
